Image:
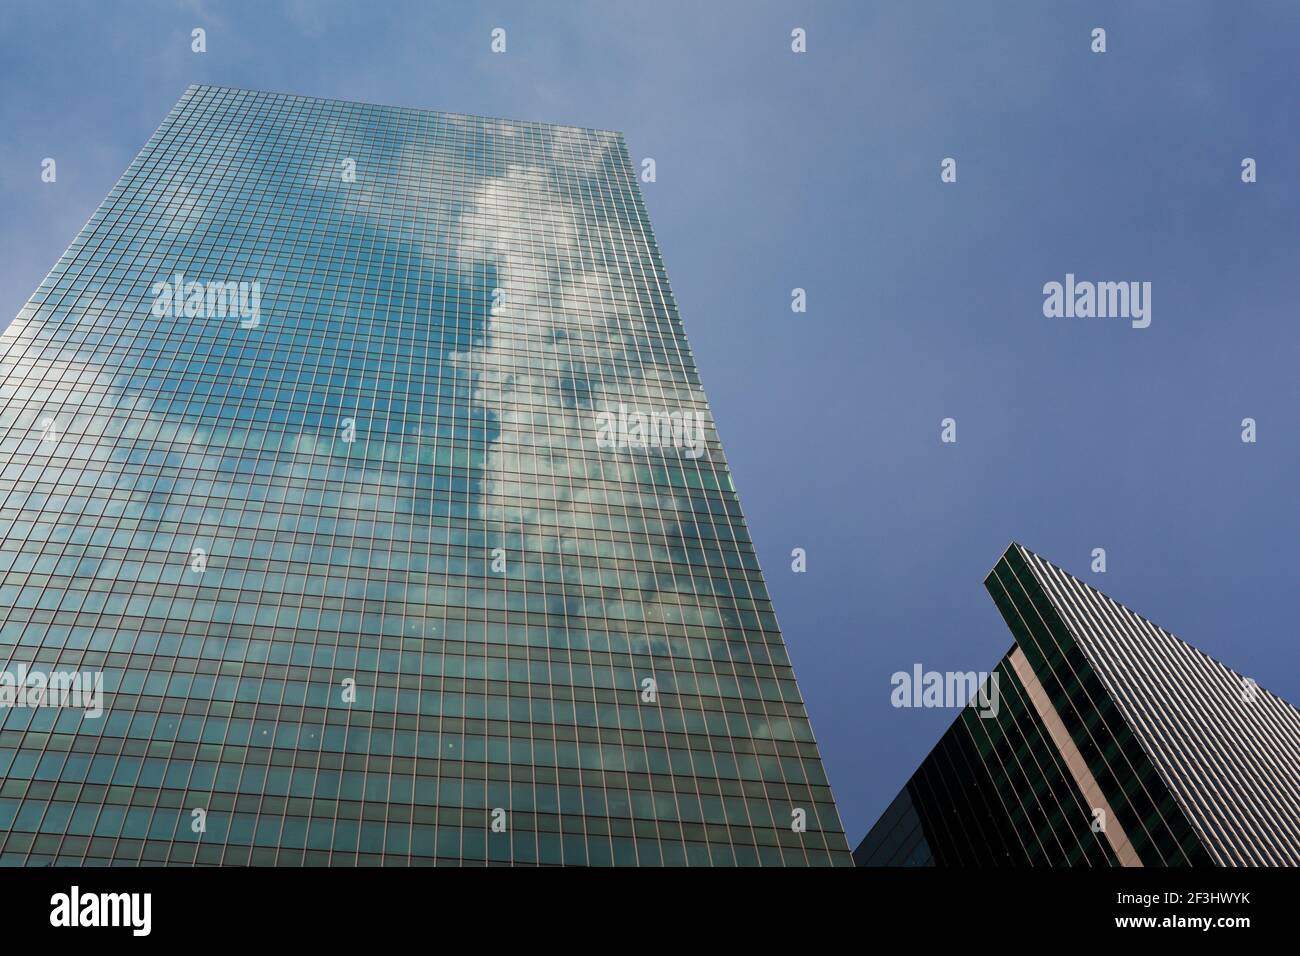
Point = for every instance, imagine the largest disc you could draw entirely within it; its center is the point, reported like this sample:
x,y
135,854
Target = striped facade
x,y
1116,744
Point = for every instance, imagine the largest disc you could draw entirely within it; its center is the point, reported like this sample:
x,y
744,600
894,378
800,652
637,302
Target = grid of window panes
x,y
362,581
995,791
1226,800
1153,821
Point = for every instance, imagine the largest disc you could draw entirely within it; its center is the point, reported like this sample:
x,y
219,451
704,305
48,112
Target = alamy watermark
x,y
922,688
634,428
82,690
176,298
1103,300
77,908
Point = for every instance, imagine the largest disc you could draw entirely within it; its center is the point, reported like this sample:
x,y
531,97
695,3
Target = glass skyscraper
x,y
1114,744
359,455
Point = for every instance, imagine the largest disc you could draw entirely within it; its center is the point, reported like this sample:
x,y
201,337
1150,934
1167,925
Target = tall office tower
x,y
361,454
1113,744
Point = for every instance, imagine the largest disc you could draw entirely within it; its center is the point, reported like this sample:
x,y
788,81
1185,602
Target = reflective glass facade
x,y
352,447
1200,763
1116,744
993,792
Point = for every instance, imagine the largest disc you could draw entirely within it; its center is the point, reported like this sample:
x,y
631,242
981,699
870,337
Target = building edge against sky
x,y
1115,743
359,454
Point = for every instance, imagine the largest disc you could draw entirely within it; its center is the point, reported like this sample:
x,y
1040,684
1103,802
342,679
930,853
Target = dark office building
x,y
359,454
1114,744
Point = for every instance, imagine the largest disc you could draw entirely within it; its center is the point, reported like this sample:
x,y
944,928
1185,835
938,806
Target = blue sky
x,y
925,299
